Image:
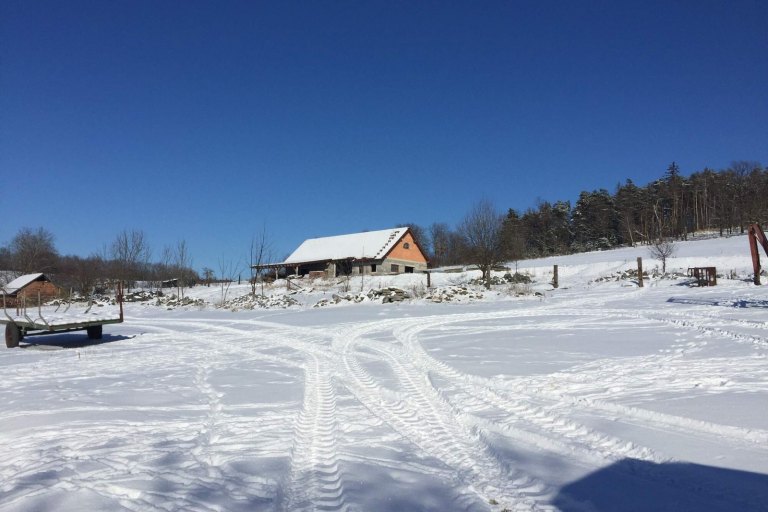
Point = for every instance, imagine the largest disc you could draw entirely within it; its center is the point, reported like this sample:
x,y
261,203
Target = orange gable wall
x,y
412,254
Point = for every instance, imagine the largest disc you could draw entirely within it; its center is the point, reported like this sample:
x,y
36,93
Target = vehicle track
x,y
316,481
651,370
562,428
421,414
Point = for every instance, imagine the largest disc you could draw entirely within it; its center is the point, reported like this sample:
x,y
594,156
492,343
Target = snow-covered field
x,y
597,396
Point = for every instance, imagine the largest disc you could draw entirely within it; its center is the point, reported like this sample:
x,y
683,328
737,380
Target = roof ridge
x,y
392,235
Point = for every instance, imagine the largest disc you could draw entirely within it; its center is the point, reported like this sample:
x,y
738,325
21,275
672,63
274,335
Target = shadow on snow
x,y
731,303
67,340
632,486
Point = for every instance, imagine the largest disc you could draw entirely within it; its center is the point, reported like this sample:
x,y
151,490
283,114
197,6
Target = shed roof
x,y
22,281
367,245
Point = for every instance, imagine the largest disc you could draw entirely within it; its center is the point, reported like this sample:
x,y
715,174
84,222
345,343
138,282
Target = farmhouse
x,y
388,251
28,287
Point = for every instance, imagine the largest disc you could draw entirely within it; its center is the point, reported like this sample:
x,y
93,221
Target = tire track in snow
x,y
316,481
653,374
564,428
656,365
693,323
657,374
421,414
521,409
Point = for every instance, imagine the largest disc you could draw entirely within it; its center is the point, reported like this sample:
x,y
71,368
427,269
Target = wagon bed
x,y
49,319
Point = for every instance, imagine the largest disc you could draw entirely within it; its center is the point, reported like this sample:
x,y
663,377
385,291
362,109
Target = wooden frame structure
x,y
705,276
755,235
22,324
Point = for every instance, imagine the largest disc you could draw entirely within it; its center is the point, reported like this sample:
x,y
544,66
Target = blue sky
x,y
210,121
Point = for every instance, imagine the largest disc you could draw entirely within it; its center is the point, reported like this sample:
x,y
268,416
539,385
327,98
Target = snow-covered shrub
x,y
417,291
519,289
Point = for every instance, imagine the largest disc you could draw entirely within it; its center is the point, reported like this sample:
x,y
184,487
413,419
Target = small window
x,y
395,268
409,270
373,268
406,245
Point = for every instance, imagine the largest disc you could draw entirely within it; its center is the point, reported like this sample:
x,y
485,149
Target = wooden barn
x,y
27,288
383,252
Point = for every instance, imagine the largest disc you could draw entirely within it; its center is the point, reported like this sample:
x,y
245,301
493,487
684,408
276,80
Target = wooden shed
x,y
28,288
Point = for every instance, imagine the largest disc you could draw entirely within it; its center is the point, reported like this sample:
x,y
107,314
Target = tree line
x,y
127,259
669,208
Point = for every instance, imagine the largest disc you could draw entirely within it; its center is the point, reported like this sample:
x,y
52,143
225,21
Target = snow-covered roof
x,y
20,282
368,245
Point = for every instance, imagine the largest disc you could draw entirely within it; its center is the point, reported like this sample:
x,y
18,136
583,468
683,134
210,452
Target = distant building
x,y
388,251
28,288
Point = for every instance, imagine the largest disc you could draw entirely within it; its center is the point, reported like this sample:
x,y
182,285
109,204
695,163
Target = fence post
x,y
640,271
555,280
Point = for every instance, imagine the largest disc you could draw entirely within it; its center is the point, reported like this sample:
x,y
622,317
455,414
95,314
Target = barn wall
x,y
386,266
366,267
46,289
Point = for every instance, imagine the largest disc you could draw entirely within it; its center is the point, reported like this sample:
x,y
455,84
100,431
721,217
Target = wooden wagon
x,y
20,322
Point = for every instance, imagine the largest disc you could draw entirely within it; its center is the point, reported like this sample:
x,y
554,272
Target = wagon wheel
x,y
94,332
12,335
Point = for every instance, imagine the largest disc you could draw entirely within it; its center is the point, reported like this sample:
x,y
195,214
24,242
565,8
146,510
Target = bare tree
x,y
481,230
662,249
129,251
440,237
81,274
6,258
183,262
166,267
208,275
33,251
227,272
260,253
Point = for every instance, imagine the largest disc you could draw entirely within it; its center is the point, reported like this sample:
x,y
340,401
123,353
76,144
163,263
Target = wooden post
x,y
640,271
555,280
119,297
429,279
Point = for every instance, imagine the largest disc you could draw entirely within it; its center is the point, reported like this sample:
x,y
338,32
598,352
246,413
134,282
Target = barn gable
x,y
406,248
